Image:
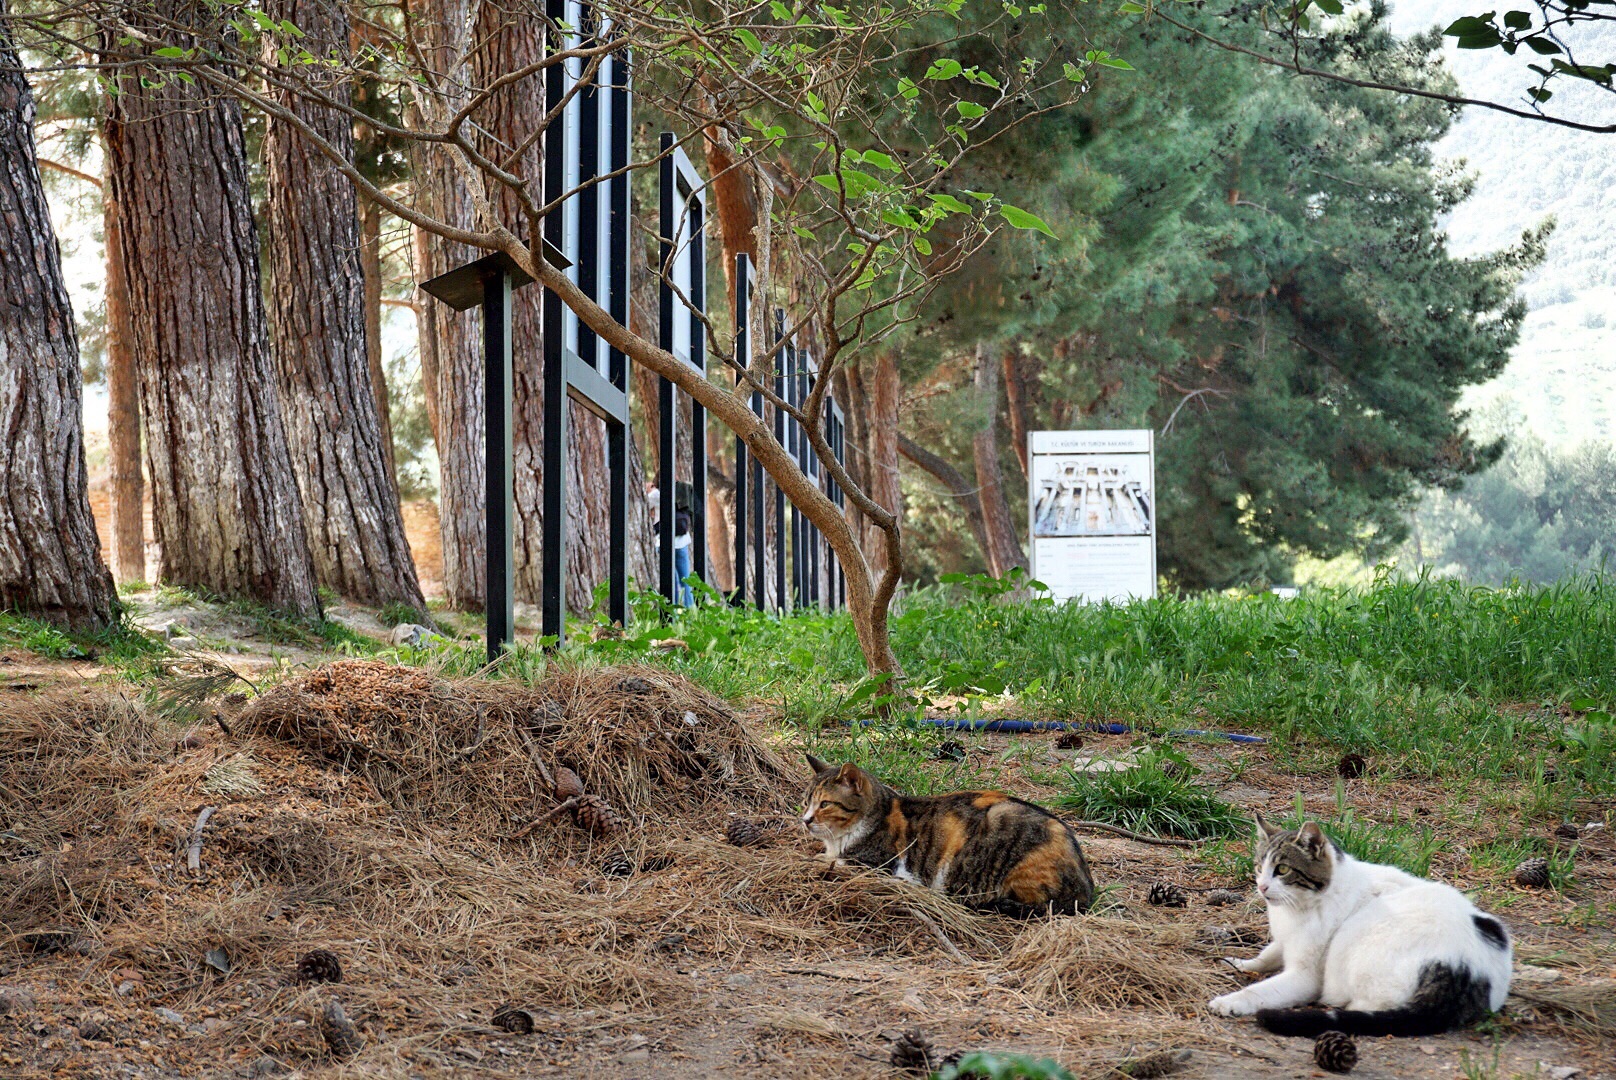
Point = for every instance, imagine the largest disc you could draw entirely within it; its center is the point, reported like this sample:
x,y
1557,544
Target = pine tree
x,y
339,449
225,500
50,560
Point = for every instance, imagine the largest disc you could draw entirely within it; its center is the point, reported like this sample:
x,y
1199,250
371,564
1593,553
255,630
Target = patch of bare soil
x,y
407,824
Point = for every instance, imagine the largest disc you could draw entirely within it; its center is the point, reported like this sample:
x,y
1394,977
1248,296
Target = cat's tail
x,y
1446,997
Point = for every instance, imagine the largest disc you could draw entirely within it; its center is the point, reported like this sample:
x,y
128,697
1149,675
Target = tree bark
x,y
50,556
882,391
338,447
959,488
370,229
123,412
1015,393
1003,548
226,509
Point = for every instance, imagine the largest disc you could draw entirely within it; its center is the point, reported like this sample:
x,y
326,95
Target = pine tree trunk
x,y
50,556
225,501
1016,394
370,222
1003,548
123,413
317,292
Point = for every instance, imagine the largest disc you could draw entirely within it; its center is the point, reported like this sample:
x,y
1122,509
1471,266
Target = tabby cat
x,y
1385,952
983,848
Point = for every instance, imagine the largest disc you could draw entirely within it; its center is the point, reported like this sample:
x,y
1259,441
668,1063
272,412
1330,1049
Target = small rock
x,y
636,1056
169,1016
125,987
92,1027
1568,831
1429,1051
737,980
14,999
1564,1072
265,1066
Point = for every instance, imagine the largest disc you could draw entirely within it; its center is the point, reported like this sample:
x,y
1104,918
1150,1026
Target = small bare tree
x,y
852,126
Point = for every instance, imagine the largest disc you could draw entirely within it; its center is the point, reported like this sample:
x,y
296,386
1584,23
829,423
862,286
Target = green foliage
x,y
1251,265
121,645
1541,514
1158,796
1003,1067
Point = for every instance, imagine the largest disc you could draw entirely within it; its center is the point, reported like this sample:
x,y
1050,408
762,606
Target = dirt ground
x,y
660,952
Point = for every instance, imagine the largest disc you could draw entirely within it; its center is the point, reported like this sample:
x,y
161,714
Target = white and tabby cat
x,y
1385,952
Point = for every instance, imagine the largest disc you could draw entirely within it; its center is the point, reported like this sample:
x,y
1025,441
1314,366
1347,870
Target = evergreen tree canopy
x,y
1251,265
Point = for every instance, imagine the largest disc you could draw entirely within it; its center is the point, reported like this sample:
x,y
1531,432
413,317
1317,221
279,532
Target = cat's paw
x,y
1238,964
1236,1004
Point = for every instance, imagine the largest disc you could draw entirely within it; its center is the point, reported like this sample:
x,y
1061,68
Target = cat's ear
x,y
1312,838
854,777
817,765
1265,831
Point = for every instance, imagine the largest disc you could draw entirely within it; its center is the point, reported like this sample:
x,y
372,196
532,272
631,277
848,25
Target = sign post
x,y
1091,501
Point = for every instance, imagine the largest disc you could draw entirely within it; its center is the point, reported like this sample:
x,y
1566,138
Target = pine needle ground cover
x,y
399,813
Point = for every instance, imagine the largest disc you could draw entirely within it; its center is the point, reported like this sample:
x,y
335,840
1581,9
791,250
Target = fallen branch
x,y
193,853
1141,837
565,804
533,752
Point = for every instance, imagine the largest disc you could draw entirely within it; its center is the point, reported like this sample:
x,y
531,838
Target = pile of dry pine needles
x,y
402,819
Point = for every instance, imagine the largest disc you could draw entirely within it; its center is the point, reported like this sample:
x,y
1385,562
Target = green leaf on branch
x,y
951,204
1517,20
945,69
880,160
1021,219
970,110
907,89
749,39
1543,46
1329,7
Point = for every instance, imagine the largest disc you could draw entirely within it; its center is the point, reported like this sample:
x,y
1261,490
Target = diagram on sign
x,y
1086,495
1091,501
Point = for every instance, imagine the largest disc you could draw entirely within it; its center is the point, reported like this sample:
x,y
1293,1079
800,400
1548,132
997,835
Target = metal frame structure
x,y
589,238
682,267
586,150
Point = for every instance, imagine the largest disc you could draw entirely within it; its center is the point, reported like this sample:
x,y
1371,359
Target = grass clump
x,y
1156,795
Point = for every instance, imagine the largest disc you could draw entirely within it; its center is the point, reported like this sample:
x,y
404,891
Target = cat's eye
x,y
1282,868
824,803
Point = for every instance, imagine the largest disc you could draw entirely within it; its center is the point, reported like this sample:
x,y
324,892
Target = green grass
x,y
1159,796
121,645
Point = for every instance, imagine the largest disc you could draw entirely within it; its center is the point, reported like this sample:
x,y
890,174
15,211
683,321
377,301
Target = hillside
x,y
1562,379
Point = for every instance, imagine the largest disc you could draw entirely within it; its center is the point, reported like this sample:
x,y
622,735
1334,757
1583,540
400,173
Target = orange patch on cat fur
x,y
954,837
1038,877
897,824
988,798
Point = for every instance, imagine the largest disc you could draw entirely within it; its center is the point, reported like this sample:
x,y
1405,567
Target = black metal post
x,y
498,496
667,400
743,353
779,496
698,414
617,434
759,537
553,556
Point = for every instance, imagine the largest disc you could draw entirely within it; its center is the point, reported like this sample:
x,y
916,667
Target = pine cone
x,y
1161,1063
618,866
1335,1052
1166,894
596,815
1351,767
516,1021
1221,897
1069,740
746,832
913,1052
949,750
1568,831
567,783
1533,873
340,1034
319,966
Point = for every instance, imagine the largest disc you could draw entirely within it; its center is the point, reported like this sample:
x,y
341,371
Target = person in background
x,y
681,557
